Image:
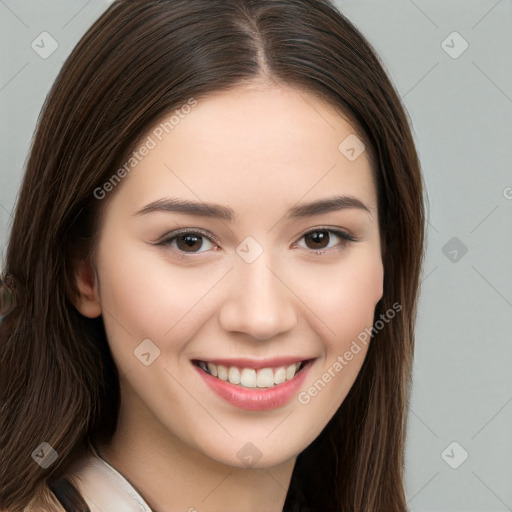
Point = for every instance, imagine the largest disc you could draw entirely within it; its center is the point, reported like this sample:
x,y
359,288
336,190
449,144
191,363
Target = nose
x,y
259,301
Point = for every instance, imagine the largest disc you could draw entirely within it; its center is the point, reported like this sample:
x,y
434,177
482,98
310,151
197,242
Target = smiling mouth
x,y
250,377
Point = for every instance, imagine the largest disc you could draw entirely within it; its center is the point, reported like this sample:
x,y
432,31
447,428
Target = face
x,y
233,324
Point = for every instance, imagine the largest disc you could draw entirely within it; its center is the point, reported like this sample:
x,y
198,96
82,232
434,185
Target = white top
x,y
104,488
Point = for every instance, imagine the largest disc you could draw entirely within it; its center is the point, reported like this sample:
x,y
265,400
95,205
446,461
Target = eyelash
x,y
166,242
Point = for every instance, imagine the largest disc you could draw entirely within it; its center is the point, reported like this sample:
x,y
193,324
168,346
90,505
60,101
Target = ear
x,y
88,300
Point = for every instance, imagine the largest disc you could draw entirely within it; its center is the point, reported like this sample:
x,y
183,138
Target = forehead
x,y
253,147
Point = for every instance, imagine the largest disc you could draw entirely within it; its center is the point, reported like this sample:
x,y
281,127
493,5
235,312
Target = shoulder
x,y
103,488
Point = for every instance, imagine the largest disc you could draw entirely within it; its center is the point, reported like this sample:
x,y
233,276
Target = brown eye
x,y
187,242
318,240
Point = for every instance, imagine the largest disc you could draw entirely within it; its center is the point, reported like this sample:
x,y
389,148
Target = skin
x,y
259,150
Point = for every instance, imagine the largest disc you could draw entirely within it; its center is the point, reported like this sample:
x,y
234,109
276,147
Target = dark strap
x,y
68,496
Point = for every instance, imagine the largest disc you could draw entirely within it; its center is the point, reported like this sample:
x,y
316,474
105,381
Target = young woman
x,y
213,269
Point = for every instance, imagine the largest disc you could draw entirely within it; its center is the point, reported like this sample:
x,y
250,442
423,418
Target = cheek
x,y
147,297
345,311
344,296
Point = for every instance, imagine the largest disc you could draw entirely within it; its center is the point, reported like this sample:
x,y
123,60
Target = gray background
x,y
461,110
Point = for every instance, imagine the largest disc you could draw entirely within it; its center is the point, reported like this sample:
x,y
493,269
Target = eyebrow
x,y
211,210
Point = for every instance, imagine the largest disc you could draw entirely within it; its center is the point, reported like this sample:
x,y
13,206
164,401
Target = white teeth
x,y
212,369
234,375
279,375
291,371
222,373
248,378
265,378
251,378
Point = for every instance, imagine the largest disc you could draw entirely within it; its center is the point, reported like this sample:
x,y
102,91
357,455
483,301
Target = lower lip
x,y
256,399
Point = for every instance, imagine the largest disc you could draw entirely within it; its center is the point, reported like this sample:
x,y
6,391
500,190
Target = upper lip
x,y
274,362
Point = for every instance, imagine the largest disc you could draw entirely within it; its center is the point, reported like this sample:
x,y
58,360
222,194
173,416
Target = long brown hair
x,y
141,59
